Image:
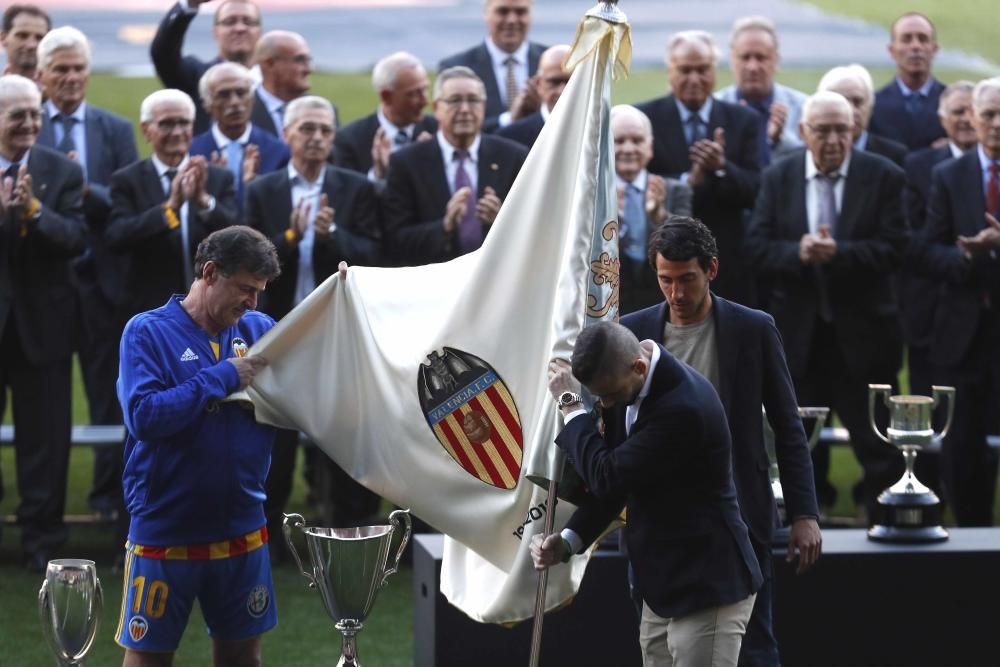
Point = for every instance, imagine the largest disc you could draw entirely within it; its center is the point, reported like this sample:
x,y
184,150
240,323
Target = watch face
x,y
567,398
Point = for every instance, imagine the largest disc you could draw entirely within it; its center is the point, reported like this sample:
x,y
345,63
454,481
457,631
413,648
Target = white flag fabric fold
x,y
428,384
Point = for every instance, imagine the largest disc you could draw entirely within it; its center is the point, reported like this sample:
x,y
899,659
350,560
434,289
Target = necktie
x,y
470,231
696,129
635,225
66,144
12,170
993,191
511,80
402,138
234,160
827,216
169,175
280,111
914,103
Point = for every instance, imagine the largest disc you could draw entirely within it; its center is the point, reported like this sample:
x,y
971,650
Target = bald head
x,y
552,78
285,64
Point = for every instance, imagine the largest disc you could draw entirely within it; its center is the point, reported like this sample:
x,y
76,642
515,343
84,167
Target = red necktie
x,y
993,191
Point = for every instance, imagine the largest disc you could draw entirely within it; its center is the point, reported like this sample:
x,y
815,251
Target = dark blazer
x,y
686,541
891,119
262,119
478,60
175,70
139,230
110,147
274,155
269,207
417,193
352,147
870,237
719,202
35,279
524,131
957,207
752,372
892,150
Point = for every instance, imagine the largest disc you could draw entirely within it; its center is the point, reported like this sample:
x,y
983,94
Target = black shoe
x,y
37,562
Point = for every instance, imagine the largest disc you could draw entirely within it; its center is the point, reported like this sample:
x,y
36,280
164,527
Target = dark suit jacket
x,y
269,207
274,155
417,192
139,230
352,147
686,541
110,147
870,236
175,70
891,119
719,202
752,372
262,119
524,131
957,207
35,281
478,60
892,150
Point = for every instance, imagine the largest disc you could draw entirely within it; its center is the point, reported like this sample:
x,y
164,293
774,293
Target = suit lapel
x,y
47,135
488,169
728,348
797,195
97,170
674,146
970,225
152,183
854,192
485,64
261,118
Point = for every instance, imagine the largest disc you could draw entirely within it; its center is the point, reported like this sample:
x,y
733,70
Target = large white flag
x,y
428,384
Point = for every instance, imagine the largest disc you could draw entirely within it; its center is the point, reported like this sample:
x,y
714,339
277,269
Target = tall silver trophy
x,y
348,567
813,419
910,512
69,605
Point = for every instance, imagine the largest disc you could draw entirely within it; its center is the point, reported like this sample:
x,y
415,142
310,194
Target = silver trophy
x,y
910,512
69,605
348,567
817,417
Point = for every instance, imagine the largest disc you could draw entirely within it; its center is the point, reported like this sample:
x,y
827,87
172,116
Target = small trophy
x,y
69,605
349,569
910,512
818,417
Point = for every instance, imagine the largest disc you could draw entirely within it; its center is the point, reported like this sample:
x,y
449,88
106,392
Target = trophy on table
x,y
348,567
910,512
818,418
69,605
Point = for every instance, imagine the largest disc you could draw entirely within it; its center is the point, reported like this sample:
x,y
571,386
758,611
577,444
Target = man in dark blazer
x,y
442,195
504,62
232,141
102,143
41,230
665,457
906,108
960,254
316,215
712,146
739,350
163,206
285,65
549,82
829,227
236,28
365,145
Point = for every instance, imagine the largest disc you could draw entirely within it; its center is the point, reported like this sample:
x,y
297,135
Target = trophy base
x,y
898,535
908,518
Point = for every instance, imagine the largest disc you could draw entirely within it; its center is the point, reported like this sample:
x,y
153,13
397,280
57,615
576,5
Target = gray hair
x,y
457,72
625,111
215,71
826,97
699,38
962,86
761,23
59,39
850,72
14,84
389,68
300,104
164,96
983,87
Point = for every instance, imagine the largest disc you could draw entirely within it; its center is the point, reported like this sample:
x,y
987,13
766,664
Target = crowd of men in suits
x,y
862,220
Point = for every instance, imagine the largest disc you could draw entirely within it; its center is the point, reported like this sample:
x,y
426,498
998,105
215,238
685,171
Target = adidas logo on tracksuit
x,y
189,355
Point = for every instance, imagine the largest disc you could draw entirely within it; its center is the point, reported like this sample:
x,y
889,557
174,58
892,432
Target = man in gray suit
x,y
753,57
101,143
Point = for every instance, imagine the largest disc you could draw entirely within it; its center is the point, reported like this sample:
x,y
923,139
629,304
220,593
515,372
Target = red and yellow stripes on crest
x,y
498,460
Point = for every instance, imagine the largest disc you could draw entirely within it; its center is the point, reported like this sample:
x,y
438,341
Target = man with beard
x,y
23,28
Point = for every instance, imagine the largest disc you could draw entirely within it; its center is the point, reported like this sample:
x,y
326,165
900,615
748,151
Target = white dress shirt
x,y
521,74
79,130
305,281
812,190
451,165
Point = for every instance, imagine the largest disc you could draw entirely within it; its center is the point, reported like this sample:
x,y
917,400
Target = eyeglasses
x,y
301,59
231,21
824,131
556,81
19,116
457,102
310,129
169,124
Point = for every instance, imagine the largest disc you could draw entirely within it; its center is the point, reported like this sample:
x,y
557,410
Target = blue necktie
x,y
635,223
234,160
915,103
470,230
696,129
66,144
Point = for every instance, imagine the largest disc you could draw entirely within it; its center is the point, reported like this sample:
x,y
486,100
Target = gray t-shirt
x,y
694,344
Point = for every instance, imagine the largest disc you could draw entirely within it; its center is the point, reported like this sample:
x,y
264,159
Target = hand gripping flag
x,y
428,384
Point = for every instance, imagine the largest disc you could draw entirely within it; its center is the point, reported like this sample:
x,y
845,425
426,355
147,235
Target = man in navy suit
x,y
829,227
854,82
101,143
961,254
549,82
233,142
285,65
665,457
41,230
366,144
906,108
712,146
442,196
236,28
504,62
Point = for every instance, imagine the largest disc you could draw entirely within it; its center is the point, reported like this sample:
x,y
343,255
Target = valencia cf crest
x,y
240,348
472,415
137,628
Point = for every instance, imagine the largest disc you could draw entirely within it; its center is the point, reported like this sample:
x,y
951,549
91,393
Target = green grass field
x,y
305,635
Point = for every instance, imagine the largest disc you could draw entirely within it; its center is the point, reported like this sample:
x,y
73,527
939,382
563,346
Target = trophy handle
x,y
44,617
394,519
873,392
296,521
937,393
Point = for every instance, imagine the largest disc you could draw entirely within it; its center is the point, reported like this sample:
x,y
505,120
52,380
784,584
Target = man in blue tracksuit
x,y
195,466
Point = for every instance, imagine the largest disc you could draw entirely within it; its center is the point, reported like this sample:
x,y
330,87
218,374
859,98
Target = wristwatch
x,y
568,398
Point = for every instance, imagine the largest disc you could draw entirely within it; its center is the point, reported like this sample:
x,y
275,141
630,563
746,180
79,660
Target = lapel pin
x,y
494,166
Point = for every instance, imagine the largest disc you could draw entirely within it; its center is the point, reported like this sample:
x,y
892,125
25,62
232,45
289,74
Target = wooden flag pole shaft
x,y
543,577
